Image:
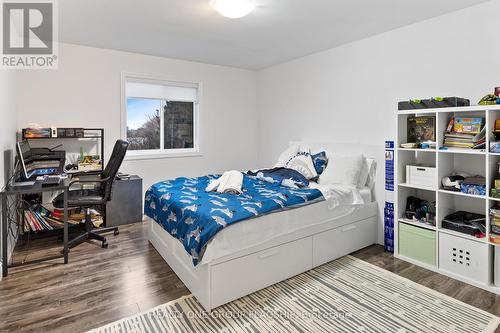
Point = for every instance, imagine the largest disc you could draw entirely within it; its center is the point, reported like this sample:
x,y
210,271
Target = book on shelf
x,y
56,224
421,129
28,222
480,136
465,135
495,238
480,145
495,224
468,125
41,221
458,144
38,218
459,137
464,132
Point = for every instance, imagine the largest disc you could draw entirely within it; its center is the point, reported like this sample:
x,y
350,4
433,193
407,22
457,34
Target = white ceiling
x,y
277,31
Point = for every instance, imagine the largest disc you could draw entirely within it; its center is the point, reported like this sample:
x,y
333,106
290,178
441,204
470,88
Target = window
x,y
160,117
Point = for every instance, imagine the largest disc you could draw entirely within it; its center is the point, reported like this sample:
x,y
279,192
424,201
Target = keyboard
x,y
49,180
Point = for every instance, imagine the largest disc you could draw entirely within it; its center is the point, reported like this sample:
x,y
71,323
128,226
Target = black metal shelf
x,y
36,188
66,137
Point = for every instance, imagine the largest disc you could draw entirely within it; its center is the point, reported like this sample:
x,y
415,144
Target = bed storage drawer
x,y
335,243
241,276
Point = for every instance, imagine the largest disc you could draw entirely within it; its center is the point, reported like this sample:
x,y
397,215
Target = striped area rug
x,y
346,295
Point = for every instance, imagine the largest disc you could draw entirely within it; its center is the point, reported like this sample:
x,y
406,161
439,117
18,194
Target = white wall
x,y
346,94
85,91
7,130
350,93
8,121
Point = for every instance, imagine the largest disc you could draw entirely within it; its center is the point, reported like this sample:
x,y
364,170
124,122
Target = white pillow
x,y
363,174
287,155
342,169
367,174
372,171
303,163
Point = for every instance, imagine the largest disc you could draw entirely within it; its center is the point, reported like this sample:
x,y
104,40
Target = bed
x,y
258,252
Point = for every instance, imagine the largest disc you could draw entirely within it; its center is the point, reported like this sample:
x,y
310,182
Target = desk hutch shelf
x,y
82,134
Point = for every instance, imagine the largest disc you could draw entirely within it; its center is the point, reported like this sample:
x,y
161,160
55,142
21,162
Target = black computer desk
x,y
33,189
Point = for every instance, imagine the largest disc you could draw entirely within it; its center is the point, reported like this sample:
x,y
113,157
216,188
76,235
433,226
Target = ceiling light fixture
x,y
233,8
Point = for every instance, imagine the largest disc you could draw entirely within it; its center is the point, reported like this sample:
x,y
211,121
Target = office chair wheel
x,y
116,233
104,244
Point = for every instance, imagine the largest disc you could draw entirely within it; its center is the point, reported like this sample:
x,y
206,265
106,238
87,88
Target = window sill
x,y
136,156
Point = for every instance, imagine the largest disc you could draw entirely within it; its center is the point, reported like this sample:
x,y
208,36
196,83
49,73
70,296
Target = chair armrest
x,y
92,173
86,181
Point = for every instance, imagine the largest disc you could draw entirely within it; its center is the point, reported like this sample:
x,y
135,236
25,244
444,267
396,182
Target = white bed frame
x,y
236,275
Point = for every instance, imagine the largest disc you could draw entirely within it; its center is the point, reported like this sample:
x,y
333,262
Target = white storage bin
x,y
464,257
496,267
421,176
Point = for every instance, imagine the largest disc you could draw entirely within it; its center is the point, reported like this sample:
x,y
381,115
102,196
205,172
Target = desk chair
x,y
99,196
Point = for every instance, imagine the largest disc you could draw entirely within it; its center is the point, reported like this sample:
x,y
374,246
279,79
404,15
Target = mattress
x,y
340,201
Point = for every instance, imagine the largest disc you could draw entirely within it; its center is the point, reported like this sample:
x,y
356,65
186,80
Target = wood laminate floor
x,y
99,286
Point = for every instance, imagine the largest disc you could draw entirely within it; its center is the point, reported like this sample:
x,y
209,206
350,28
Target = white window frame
x,y
160,153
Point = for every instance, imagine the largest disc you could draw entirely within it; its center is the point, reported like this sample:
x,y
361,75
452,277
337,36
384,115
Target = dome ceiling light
x,y
233,8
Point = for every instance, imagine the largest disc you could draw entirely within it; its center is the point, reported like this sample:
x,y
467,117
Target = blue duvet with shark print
x,y
192,215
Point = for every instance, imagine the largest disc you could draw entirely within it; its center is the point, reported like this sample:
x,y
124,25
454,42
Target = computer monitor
x,y
24,155
29,165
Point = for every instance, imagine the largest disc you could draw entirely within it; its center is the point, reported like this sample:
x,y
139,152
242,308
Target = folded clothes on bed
x,y
229,182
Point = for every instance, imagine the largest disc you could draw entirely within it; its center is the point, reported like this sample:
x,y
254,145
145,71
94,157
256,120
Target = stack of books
x,y
495,225
38,218
34,221
465,133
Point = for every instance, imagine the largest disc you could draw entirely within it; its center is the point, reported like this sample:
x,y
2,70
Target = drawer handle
x,y
268,255
420,169
349,228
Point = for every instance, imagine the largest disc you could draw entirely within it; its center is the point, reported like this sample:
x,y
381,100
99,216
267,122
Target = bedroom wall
x,y
350,93
7,132
85,91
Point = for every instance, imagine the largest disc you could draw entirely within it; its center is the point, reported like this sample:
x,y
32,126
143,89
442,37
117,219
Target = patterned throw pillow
x,y
320,161
302,162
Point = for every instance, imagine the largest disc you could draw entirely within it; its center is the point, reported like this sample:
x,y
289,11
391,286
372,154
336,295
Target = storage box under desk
x,y
126,202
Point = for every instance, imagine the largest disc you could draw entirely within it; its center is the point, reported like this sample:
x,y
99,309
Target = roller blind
x,y
169,92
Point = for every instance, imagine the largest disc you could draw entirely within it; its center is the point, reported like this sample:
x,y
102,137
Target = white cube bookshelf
x,y
462,253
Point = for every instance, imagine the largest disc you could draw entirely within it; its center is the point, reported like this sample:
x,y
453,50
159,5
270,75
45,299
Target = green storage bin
x,y
417,243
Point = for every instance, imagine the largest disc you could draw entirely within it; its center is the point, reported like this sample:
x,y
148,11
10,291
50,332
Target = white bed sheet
x,y
340,201
366,194
345,192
